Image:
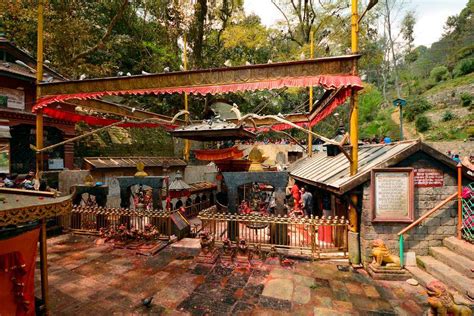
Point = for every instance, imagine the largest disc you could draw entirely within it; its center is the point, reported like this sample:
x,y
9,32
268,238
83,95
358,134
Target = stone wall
x,y
432,231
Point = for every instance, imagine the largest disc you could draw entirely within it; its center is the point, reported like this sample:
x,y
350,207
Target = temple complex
x,y
234,224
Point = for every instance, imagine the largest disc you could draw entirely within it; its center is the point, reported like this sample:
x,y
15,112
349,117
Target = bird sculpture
x,y
145,73
147,301
166,69
228,63
120,73
181,68
82,77
129,74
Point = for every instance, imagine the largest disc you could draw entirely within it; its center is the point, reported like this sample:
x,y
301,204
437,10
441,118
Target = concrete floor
x,y
86,279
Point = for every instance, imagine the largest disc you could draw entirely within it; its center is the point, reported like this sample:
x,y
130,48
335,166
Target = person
x,y
9,181
28,183
307,199
456,158
295,192
387,140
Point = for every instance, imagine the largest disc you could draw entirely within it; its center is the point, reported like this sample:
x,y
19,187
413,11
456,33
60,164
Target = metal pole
x,y
310,136
354,128
187,143
39,78
459,226
401,121
401,250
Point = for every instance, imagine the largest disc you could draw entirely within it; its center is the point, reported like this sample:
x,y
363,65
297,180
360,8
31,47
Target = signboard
x,y
392,195
55,164
428,178
15,99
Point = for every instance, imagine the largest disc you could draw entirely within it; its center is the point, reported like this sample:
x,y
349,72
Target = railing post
x,y
459,226
401,250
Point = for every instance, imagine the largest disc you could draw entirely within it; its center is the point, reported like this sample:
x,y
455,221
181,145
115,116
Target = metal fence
x,y
91,219
313,236
194,209
467,228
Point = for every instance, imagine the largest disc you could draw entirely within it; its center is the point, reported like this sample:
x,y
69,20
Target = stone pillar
x,y
280,201
69,156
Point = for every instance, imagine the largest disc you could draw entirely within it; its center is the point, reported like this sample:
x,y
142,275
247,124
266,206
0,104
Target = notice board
x,y
392,195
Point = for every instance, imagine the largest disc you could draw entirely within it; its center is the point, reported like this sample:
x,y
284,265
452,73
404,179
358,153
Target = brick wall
x,y
432,231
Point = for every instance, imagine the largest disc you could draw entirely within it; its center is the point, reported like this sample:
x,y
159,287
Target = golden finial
x,y
256,158
140,170
89,180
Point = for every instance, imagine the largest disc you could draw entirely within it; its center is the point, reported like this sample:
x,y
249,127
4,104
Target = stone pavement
x,y
86,279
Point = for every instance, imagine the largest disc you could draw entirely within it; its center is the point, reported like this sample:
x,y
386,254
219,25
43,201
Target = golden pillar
x,y
187,142
310,136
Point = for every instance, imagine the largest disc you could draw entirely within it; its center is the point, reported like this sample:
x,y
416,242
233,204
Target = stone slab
x,y
279,288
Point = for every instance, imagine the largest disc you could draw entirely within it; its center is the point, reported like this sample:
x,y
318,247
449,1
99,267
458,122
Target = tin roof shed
x,y
333,172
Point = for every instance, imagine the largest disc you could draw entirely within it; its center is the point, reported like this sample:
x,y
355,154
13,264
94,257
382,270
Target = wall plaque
x,y
13,98
392,195
425,177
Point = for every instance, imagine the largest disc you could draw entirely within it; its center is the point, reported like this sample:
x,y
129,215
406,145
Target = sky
x,y
430,15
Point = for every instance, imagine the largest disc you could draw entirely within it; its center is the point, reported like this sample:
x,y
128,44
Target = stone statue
x,y
257,254
382,256
442,302
243,248
207,242
228,251
208,253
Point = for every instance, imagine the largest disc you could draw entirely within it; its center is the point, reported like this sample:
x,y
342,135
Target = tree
x,y
407,29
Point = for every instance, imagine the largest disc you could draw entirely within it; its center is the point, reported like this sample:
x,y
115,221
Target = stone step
x,y
461,247
424,278
447,275
462,264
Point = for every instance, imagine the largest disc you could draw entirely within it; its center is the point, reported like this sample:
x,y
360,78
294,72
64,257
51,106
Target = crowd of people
x,y
14,181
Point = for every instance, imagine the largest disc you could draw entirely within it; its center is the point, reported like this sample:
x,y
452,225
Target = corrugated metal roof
x,y
131,162
334,172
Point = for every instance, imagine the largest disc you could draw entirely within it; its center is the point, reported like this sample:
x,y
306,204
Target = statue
x,y
208,253
228,251
243,252
384,265
257,256
273,257
207,242
382,256
442,302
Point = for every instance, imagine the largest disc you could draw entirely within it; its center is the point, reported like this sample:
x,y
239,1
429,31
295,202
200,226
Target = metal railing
x,y
418,221
467,229
93,219
194,209
454,196
313,236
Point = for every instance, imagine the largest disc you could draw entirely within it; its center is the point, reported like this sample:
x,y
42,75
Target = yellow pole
x,y
39,78
187,143
39,158
354,128
310,136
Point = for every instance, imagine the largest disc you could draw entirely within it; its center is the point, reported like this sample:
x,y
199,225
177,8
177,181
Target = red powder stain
x,y
224,281
199,279
239,294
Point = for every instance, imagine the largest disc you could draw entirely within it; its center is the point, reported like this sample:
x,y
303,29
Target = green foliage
x,y
448,116
439,73
145,142
464,67
466,99
415,105
422,123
